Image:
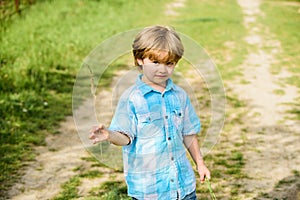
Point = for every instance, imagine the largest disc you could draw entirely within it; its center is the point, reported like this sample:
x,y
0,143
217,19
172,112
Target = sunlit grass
x,y
283,21
217,26
43,48
69,189
41,51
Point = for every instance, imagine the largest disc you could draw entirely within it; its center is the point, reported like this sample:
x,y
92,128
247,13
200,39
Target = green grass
x,y
295,109
92,174
283,20
69,189
208,34
111,190
41,51
279,92
217,26
287,188
226,160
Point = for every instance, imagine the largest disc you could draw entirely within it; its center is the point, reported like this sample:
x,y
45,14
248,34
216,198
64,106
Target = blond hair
x,y
154,40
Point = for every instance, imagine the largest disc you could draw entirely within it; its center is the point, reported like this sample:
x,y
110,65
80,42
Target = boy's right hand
x,y
98,134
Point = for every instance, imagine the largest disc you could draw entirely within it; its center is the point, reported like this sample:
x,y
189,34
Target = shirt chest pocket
x,y
150,125
177,117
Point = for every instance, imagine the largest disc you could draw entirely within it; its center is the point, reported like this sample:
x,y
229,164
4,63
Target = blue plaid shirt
x,y
155,162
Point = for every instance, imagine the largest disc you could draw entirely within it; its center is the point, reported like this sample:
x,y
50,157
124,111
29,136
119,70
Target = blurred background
x,y
254,44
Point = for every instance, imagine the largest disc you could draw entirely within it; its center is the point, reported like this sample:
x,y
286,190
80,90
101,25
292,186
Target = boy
x,y
155,122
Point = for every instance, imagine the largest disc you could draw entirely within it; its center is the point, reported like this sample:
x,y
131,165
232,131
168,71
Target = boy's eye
x,y
170,63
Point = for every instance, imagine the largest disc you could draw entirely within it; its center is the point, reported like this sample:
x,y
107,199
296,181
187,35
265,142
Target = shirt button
x,y
169,138
172,158
172,180
166,116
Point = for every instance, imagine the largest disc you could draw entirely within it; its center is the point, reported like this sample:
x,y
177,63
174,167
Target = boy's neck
x,y
159,87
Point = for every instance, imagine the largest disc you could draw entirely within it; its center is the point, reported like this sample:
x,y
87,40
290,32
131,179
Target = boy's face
x,y
156,73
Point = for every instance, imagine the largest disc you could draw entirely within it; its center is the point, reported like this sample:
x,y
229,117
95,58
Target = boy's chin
x,y
160,81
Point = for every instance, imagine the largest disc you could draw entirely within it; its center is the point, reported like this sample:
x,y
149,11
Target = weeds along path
x,y
53,165
272,149
65,157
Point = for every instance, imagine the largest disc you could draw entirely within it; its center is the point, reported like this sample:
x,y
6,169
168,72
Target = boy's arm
x,y
191,143
101,133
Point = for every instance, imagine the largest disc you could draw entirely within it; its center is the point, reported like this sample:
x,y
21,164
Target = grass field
x,y
283,19
42,49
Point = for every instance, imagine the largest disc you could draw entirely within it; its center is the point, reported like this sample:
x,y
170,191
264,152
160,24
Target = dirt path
x,y
272,148
53,166
57,162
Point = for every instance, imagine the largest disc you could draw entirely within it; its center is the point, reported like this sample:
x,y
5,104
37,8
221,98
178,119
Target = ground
x,y
271,145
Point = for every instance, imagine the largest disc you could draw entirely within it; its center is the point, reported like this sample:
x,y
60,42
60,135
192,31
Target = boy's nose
x,y
163,68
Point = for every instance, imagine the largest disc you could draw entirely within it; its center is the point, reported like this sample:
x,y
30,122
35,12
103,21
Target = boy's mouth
x,y
161,76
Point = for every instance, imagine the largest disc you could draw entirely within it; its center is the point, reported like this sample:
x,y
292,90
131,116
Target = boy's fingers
x,y
101,127
202,177
93,130
96,140
96,129
208,176
92,136
97,133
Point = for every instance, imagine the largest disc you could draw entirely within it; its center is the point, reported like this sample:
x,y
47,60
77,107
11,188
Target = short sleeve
x,y
124,119
191,122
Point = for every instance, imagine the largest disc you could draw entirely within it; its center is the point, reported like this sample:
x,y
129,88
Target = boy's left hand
x,y
203,172
98,134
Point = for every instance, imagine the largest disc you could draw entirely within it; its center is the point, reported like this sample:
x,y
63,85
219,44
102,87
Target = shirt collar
x,y
144,88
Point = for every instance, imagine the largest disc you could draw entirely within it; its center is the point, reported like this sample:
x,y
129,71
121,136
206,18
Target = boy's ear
x,y
139,61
